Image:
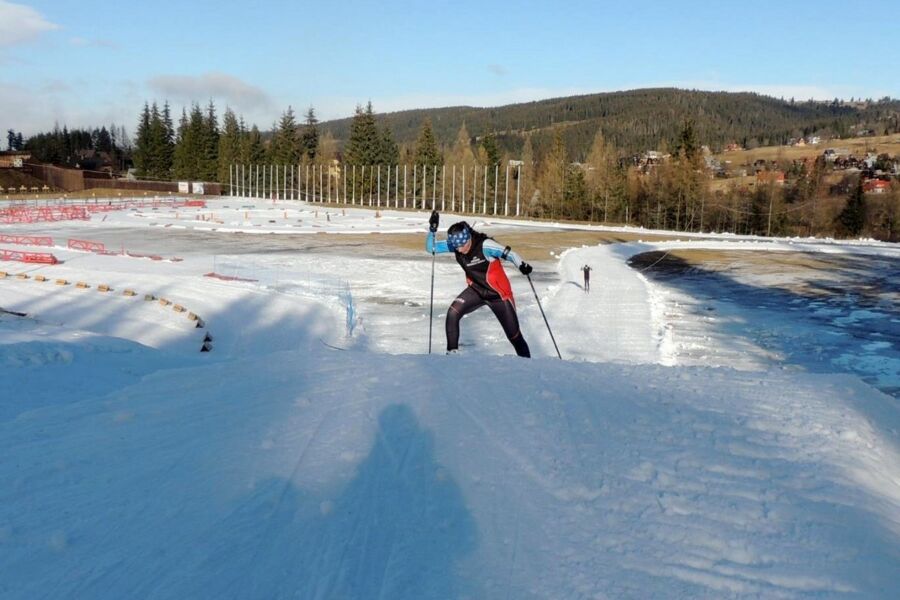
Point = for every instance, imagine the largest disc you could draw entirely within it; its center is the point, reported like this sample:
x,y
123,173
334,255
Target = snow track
x,y
275,467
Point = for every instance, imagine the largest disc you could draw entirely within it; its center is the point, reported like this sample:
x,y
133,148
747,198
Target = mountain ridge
x,y
641,119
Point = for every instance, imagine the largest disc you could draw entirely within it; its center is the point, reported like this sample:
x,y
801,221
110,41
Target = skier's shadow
x,y
396,530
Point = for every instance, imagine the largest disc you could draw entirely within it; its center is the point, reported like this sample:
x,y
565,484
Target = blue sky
x,y
86,62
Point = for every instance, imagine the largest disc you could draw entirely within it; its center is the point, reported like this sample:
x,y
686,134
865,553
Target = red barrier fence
x,y
39,214
87,245
28,257
26,240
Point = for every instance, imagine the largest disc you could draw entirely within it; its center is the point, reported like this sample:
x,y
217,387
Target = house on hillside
x,y
13,159
733,147
876,186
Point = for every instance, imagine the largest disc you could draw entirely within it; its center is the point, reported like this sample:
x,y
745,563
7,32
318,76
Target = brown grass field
x,y
857,146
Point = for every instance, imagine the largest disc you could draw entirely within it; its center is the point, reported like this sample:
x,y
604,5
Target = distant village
x,y
876,169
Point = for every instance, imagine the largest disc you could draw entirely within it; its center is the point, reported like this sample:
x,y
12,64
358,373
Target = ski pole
x,y
431,303
543,315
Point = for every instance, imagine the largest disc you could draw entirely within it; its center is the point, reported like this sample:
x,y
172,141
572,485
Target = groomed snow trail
x,y
323,474
275,467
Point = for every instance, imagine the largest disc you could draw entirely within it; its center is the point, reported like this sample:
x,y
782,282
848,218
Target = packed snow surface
x,y
318,451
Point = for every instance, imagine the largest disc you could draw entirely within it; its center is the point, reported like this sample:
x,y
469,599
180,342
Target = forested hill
x,y
638,120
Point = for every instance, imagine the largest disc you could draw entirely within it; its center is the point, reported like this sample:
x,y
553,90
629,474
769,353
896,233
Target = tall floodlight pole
x,y
379,187
321,181
404,186
230,181
518,186
496,187
387,190
328,179
506,193
414,185
434,188
443,185
371,183
453,190
475,188
484,193
462,190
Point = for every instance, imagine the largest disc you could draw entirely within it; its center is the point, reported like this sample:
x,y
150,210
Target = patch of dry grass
x,y
857,146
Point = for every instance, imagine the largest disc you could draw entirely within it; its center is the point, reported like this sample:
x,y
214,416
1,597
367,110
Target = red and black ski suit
x,y
488,285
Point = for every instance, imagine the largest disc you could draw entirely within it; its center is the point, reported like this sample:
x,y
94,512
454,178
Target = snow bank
x,y
322,473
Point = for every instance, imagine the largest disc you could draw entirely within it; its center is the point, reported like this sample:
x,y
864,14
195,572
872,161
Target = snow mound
x,y
319,473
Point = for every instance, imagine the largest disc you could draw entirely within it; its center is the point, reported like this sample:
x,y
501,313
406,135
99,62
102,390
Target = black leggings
x,y
505,311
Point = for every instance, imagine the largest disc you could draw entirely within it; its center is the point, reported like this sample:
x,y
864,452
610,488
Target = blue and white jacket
x,y
484,273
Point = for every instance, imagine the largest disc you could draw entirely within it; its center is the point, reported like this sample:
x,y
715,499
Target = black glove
x,y
433,221
525,268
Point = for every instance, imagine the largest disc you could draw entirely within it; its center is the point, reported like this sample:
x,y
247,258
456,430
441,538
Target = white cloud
x,y
33,109
498,70
20,23
238,94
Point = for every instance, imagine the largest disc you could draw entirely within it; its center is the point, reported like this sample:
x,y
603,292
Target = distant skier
x,y
477,254
587,277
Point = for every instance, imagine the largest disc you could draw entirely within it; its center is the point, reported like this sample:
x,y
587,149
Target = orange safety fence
x,y
28,257
26,240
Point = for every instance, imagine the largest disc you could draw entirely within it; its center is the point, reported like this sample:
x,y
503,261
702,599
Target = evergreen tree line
x,y
202,150
72,147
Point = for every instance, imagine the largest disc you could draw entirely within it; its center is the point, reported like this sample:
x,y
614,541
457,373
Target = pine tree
x,y
167,145
255,148
427,152
142,143
389,152
209,145
157,145
491,157
852,219
229,145
575,194
286,147
309,136
363,146
185,149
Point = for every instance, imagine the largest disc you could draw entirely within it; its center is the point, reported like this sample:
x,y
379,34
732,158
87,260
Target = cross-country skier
x,y
587,277
477,254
